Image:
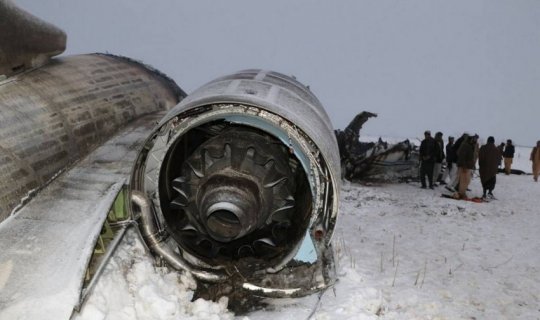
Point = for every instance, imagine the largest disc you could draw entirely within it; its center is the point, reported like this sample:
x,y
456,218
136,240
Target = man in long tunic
x,y
427,158
488,161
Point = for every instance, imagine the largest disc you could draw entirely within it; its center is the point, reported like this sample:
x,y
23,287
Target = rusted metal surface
x,y
46,246
52,116
25,40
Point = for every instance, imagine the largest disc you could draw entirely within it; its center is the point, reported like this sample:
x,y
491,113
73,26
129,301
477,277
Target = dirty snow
x,y
132,287
403,253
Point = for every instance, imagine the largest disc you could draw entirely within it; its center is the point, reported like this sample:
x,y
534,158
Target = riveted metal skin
x,y
54,115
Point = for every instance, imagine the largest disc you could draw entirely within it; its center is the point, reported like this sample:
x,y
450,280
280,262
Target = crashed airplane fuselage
x,y
367,161
238,184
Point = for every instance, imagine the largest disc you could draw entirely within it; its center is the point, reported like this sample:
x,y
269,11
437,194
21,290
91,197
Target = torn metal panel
x,y
348,139
384,162
46,246
361,161
56,114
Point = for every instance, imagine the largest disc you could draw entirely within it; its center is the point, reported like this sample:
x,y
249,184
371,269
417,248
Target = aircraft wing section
x,y
46,246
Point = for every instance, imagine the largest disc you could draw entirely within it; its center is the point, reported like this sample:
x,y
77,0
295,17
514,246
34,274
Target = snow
x,y
132,287
402,253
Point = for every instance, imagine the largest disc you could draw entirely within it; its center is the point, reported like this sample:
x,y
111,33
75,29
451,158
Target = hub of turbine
x,y
236,191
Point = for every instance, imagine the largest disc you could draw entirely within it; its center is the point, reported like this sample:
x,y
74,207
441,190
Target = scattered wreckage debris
x,y
473,199
514,171
238,184
379,161
374,161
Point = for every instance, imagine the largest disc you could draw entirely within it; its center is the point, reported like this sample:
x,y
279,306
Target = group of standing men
x,y
461,157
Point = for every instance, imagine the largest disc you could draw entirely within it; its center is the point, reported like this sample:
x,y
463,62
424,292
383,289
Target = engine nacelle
x,y
239,184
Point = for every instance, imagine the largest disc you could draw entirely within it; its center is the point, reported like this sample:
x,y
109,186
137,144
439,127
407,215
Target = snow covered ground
x,y
403,253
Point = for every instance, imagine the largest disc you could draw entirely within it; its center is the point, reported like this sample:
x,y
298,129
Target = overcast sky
x,y
449,66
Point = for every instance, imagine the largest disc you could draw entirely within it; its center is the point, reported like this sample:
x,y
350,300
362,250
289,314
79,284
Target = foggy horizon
x,y
455,66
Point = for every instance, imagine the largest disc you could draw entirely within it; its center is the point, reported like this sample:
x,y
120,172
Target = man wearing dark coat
x,y
488,160
535,158
508,155
427,158
453,185
439,156
501,150
451,167
465,164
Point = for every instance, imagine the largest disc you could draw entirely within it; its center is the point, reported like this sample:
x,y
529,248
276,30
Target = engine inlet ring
x,y
239,114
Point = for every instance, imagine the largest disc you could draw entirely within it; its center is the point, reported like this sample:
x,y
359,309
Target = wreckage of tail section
x,y
366,161
237,185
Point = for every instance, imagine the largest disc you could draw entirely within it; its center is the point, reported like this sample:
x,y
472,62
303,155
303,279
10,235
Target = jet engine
x,y
239,185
